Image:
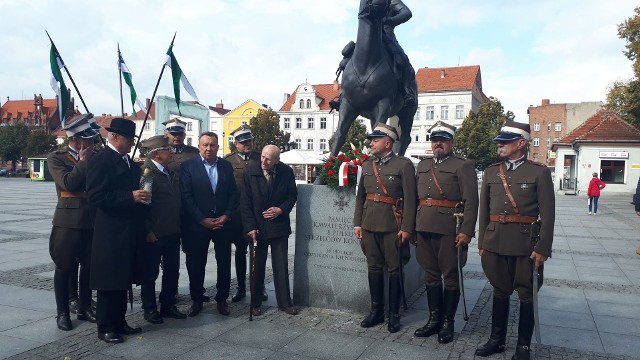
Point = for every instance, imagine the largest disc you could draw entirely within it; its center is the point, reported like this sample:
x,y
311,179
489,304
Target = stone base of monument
x,y
330,270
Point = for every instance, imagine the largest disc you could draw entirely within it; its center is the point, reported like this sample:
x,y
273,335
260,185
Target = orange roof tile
x,y
455,78
605,125
12,107
324,91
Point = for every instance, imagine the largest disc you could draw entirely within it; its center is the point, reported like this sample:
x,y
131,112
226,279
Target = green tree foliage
x,y
13,142
265,127
357,135
474,139
40,143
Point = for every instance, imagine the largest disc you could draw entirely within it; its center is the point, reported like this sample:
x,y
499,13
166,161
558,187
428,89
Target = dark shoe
x,y
223,307
64,322
128,330
394,323
291,310
450,305
434,297
172,312
240,294
73,306
376,290
110,338
522,353
375,317
256,311
196,307
264,295
87,315
153,317
498,337
394,303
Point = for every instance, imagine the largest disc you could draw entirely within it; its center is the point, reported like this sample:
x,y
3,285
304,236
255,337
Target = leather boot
x,y
394,303
498,337
85,310
376,289
61,290
525,331
450,305
241,272
73,288
434,296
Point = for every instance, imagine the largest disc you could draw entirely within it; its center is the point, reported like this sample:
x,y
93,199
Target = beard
x,y
439,152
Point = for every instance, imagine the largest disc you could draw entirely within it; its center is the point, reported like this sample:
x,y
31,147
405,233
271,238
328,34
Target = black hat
x,y
242,134
381,130
512,131
122,126
442,130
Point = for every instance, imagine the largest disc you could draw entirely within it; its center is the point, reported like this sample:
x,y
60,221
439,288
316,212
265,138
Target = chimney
x,y
148,103
285,97
220,104
442,74
545,102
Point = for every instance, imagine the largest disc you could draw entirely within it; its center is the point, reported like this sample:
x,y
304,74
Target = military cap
x,y
242,134
381,130
512,131
442,130
92,122
175,125
79,126
155,143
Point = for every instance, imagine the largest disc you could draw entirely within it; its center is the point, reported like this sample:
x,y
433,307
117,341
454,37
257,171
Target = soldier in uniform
x,y
240,159
387,185
446,184
72,231
515,193
175,130
162,233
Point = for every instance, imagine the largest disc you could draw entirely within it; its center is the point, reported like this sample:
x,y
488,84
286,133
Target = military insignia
x,y
391,178
342,202
524,186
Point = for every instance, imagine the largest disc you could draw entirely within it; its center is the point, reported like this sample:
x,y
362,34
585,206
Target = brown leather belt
x,y
67,194
503,218
442,203
382,198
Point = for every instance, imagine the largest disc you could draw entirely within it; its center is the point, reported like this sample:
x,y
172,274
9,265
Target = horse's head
x,y
374,8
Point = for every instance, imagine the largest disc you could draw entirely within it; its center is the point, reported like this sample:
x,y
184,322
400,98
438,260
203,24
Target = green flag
x,y
126,75
57,83
178,77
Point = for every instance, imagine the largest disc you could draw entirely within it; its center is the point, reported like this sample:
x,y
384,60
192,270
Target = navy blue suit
x,y
199,201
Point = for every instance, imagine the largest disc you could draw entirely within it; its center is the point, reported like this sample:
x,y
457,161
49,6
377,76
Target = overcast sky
x,y
234,50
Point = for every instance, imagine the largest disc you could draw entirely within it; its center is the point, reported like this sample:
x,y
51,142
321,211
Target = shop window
x,y
612,171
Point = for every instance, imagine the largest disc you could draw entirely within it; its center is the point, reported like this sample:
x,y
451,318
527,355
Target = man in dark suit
x,y
209,200
112,187
269,196
162,233
72,231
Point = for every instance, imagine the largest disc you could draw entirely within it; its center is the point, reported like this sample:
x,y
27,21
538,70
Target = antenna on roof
x,y
458,60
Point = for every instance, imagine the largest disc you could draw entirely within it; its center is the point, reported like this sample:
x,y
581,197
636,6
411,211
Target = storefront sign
x,y
614,154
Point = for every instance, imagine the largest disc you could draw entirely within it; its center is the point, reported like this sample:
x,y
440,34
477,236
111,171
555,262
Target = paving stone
x,y
222,350
392,351
154,345
11,346
264,335
621,344
328,345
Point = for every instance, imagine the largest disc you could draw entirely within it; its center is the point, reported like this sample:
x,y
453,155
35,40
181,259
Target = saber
x,y
458,214
252,280
402,292
534,233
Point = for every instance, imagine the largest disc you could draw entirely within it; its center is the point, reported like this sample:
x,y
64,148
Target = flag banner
x,y
57,83
128,79
178,77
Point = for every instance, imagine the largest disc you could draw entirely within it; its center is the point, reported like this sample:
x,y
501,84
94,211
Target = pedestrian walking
x,y
593,192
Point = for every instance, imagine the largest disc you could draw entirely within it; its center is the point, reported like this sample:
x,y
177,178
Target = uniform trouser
x,y
196,247
381,249
437,254
166,248
507,273
280,266
67,248
111,309
241,244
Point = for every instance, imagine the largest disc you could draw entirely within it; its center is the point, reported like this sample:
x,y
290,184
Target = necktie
x,y
126,160
166,172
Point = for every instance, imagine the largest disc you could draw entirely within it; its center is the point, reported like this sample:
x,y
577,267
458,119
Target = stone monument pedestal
x,y
330,270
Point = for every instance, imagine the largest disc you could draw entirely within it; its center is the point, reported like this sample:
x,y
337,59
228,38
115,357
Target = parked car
x,y
3,172
23,173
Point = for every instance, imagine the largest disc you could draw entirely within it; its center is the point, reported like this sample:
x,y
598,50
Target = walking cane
x,y
252,279
458,214
402,291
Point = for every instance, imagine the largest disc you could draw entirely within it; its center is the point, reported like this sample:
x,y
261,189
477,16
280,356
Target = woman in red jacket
x,y
595,185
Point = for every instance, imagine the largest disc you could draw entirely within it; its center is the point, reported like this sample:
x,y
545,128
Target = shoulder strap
x,y
73,160
375,172
435,179
506,189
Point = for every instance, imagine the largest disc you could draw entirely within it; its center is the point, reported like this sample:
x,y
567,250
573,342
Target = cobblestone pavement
x,y
588,304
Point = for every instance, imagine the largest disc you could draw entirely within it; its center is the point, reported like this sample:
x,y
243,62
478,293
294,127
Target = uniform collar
x,y
384,159
514,164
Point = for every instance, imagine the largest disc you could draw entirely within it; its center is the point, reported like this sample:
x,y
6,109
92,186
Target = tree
x,y
13,141
265,127
474,139
40,143
357,135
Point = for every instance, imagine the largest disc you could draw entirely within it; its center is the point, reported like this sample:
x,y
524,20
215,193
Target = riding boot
x,y
73,288
451,298
241,272
525,331
61,290
85,310
498,337
376,288
434,296
394,303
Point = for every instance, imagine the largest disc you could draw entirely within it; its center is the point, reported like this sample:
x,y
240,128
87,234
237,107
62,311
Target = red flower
x,y
331,158
327,165
341,157
355,152
365,157
354,170
330,173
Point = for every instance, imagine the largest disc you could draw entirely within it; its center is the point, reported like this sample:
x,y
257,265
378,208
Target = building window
x,y
308,103
555,140
612,171
549,127
558,127
244,122
548,142
287,123
301,104
417,115
189,141
536,142
444,112
189,126
298,143
310,123
459,111
430,112
229,141
298,123
535,156
309,144
323,123
536,127
147,126
323,144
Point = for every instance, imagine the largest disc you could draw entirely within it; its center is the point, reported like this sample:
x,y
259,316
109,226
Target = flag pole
x,y
120,80
68,73
146,115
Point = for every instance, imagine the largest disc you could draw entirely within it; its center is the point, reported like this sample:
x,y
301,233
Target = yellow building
x,y
236,117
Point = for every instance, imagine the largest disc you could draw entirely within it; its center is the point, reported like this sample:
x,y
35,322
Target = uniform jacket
x,y
595,185
239,165
459,182
198,199
119,220
163,217
258,196
398,176
532,189
69,175
187,152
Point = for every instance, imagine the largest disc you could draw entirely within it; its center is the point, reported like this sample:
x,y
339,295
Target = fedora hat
x,y
122,126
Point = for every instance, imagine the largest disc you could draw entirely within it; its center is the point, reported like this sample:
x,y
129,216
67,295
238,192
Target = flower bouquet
x,y
331,174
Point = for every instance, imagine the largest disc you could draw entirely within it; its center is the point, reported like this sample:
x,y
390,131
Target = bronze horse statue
x,y
369,85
